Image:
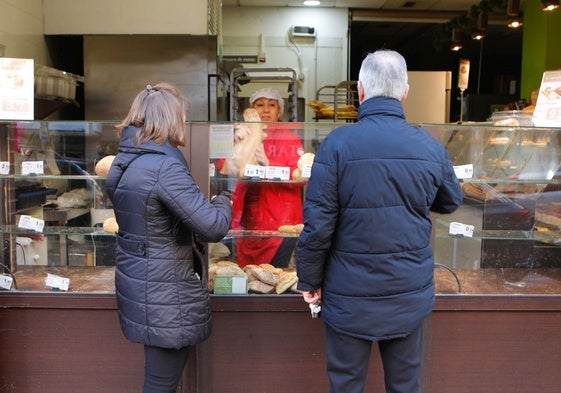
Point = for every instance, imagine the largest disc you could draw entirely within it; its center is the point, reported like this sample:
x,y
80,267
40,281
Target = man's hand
x,y
312,297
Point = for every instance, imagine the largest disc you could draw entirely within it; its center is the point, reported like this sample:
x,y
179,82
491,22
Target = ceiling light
x,y
311,3
456,43
478,35
550,5
455,46
482,23
515,22
513,13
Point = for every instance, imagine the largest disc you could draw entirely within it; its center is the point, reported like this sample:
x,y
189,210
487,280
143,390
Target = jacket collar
x,y
128,145
384,106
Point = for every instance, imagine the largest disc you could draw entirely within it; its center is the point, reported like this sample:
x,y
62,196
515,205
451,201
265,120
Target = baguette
x,y
244,150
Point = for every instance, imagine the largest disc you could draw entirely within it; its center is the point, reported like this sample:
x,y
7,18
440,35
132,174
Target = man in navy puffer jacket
x,y
162,297
365,249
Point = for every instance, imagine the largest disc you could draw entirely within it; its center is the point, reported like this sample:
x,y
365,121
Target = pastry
x,y
260,287
110,225
263,275
286,280
102,167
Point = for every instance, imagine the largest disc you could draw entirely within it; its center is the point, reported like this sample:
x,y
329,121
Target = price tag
x,y
464,171
32,168
277,172
307,170
4,167
251,170
57,282
459,229
28,222
6,282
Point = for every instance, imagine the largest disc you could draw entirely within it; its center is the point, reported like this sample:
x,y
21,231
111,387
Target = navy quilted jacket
x,y
158,206
366,239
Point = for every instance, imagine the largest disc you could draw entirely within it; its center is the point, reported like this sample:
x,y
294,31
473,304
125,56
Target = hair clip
x,y
150,89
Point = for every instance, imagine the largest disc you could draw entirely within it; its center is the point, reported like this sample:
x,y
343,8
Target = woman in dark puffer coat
x,y
163,301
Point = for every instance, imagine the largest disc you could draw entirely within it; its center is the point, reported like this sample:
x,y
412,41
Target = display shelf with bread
x,y
513,199
336,102
54,193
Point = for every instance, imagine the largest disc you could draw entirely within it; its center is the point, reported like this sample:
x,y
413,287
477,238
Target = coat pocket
x,y
135,247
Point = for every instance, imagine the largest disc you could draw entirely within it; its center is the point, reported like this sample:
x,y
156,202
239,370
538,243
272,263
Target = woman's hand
x,y
241,131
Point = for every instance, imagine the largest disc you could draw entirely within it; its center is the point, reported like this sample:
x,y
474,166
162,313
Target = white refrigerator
x,y
428,100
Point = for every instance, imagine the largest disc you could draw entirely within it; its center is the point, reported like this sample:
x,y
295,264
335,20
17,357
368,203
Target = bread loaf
x,y
110,225
102,167
286,280
263,275
260,287
244,150
291,229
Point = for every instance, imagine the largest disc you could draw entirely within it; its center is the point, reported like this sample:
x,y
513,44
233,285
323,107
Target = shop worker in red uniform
x,y
267,205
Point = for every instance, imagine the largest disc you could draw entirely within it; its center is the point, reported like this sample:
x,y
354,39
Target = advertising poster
x,y
16,89
548,105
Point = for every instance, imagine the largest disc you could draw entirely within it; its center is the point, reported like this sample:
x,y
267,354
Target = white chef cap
x,y
270,94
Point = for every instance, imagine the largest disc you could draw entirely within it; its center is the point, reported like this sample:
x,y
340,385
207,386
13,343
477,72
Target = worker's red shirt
x,y
266,205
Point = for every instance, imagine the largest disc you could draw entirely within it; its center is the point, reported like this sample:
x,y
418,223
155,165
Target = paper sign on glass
x,y
4,167
464,171
32,168
32,223
57,282
459,229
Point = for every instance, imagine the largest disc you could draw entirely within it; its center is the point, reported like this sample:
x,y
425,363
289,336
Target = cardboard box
x,y
230,285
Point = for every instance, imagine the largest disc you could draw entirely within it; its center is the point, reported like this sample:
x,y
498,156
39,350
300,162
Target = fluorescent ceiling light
x,y
311,3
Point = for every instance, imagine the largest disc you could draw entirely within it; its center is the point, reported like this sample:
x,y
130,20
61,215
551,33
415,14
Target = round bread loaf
x,y
103,165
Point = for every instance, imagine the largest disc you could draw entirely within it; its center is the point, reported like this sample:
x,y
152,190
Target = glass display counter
x,y
54,204
497,275
511,181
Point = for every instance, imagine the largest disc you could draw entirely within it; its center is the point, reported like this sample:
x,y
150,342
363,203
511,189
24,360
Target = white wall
x,y
21,30
322,61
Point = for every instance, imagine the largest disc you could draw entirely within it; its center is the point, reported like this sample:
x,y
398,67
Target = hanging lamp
x,y
550,5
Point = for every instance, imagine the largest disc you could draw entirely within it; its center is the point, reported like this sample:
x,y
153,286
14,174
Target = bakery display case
x,y
497,273
512,204
54,203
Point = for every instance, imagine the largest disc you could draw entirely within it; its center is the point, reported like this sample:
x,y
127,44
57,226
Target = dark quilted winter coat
x,y
158,206
366,240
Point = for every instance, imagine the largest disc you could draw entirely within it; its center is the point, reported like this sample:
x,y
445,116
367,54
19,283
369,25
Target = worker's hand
x,y
241,131
312,297
260,156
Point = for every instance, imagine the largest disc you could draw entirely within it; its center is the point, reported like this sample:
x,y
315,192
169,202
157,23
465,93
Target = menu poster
x,y
548,105
17,79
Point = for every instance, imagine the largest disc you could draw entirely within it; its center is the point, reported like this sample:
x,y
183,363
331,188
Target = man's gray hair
x,y
383,74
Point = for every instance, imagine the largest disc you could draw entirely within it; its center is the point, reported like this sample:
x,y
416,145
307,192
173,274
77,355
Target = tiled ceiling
x,y
417,5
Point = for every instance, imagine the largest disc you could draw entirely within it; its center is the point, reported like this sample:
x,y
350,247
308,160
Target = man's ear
x,y
405,94
360,92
